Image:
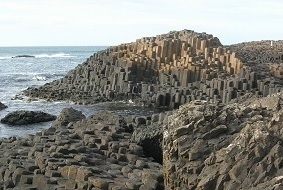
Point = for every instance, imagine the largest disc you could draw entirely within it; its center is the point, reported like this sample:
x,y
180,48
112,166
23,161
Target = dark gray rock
x,y
23,117
23,56
2,106
140,120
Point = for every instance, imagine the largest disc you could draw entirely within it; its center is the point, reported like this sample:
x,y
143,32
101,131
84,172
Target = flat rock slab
x,y
23,117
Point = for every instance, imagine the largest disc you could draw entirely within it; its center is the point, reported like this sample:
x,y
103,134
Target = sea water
x,y
46,65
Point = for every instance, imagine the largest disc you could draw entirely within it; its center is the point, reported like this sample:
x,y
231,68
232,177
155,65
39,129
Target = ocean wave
x,y
56,55
44,77
48,75
29,76
2,58
39,78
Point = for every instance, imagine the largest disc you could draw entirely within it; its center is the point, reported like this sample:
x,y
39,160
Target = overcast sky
x,y
111,22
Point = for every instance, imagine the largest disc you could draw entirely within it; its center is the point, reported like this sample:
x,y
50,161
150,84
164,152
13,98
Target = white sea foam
x,y
56,55
1,58
39,78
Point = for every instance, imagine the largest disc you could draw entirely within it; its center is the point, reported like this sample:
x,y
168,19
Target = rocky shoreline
x,y
225,130
78,153
199,146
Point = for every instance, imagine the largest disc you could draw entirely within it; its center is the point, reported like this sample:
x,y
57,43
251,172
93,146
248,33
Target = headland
x,y
221,125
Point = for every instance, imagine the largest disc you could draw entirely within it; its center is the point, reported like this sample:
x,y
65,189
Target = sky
x,y
111,22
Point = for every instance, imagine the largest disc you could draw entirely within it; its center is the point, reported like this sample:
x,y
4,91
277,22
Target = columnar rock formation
x,y
167,70
222,136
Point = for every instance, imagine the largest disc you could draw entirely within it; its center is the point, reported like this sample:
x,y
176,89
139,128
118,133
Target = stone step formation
x,y
163,71
78,153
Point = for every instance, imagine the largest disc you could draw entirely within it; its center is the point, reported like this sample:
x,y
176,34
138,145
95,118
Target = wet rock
x,y
27,117
23,56
2,106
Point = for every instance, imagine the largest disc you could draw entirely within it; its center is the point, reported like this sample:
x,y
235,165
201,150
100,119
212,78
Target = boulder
x,y
2,106
23,117
68,115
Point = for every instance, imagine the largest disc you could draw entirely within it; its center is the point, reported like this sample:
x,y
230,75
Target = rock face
x,y
27,117
92,153
236,146
164,71
2,106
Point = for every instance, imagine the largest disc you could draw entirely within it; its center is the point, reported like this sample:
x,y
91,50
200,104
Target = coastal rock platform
x,y
203,145
225,130
92,153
